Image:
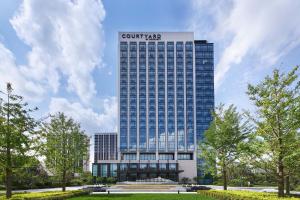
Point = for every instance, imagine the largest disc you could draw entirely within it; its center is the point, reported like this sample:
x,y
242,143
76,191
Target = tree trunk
x,y
8,176
225,177
64,162
64,181
287,185
8,169
280,176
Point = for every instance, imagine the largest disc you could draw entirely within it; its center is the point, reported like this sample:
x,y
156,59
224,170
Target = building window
x,y
147,156
113,170
152,165
123,166
130,156
172,166
143,166
104,170
166,156
133,165
95,170
185,156
163,166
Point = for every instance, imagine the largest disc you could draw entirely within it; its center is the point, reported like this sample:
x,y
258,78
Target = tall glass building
x,y
166,95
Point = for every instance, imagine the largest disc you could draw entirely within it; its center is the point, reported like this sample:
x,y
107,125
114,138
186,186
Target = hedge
x,y
241,195
46,195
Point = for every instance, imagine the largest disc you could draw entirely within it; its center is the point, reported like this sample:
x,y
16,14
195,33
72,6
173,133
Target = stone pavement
x,y
146,188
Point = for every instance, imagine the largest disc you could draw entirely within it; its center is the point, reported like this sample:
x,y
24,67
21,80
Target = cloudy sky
x,y
61,55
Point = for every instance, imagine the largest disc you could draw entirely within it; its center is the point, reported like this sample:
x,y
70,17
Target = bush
x,y
241,195
46,195
111,180
75,182
238,182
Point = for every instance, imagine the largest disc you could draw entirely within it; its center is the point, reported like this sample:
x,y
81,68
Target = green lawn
x,y
144,197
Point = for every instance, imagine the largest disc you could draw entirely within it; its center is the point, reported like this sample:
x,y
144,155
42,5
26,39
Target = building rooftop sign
x,y
156,36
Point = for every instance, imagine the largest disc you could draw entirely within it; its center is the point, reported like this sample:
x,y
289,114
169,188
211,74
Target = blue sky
x,y
62,55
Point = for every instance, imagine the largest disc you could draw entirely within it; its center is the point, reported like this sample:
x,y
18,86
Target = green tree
x,y
292,163
87,178
30,176
65,147
277,104
292,160
18,138
225,140
111,180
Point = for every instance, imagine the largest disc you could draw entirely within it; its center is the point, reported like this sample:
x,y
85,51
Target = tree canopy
x,y
225,140
66,147
277,120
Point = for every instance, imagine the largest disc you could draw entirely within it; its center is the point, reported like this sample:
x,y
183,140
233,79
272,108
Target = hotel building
x,y
166,95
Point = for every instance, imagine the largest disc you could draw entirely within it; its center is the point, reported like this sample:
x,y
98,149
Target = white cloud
x,y
66,45
90,121
9,72
266,29
66,38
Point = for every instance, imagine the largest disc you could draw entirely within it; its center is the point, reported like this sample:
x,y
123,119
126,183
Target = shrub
x,y
297,188
111,180
241,195
238,182
75,182
46,195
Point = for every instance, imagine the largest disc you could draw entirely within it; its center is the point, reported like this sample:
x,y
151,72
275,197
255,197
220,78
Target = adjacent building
x,y
105,154
105,146
166,94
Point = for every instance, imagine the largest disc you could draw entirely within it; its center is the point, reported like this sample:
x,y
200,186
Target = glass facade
x,y
180,95
151,96
161,96
170,97
136,171
129,156
142,97
113,169
184,156
204,86
104,170
189,86
123,96
147,156
166,156
204,72
166,95
132,96
105,147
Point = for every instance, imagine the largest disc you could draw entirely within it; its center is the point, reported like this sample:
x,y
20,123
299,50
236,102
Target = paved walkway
x,y
145,193
146,188
51,189
116,189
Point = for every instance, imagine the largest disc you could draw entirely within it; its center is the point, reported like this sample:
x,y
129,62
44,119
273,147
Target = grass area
x,y
56,195
242,195
144,197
